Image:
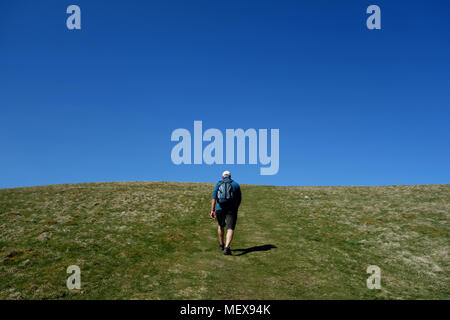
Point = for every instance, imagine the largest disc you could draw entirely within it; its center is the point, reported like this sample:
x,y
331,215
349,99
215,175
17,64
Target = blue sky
x,y
354,106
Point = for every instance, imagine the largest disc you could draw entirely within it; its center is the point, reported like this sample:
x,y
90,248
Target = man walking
x,y
225,202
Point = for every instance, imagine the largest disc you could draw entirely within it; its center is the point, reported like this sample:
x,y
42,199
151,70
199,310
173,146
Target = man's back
x,y
236,191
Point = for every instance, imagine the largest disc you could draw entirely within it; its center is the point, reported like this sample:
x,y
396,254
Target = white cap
x,y
226,174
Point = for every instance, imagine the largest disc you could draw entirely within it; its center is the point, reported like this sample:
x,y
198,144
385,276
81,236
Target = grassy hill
x,y
152,240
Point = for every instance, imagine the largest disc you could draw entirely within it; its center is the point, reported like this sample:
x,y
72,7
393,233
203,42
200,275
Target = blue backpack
x,y
225,192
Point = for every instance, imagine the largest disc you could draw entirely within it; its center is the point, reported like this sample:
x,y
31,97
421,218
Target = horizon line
x,y
203,182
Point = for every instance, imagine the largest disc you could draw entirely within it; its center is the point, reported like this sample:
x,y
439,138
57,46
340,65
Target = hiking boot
x,y
221,246
227,251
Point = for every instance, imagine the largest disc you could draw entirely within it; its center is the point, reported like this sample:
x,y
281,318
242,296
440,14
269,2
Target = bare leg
x,y
229,237
220,231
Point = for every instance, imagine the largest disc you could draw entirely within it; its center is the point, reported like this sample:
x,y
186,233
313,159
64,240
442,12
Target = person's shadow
x,y
265,247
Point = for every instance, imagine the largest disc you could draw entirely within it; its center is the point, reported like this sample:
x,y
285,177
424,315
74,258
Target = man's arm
x,y
213,202
213,208
239,196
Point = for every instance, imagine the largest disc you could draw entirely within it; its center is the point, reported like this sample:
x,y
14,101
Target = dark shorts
x,y
227,217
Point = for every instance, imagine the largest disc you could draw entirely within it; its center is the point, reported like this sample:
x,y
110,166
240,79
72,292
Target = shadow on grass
x,y
265,247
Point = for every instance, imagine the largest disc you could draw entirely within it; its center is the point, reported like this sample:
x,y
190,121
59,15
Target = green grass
x,y
154,240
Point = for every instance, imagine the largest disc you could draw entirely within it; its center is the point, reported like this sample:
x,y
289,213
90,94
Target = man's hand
x,y
213,209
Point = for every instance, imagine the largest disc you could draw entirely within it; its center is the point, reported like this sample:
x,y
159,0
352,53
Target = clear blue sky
x,y
354,106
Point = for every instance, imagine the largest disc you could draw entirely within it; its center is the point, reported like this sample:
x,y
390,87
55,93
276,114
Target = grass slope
x,y
151,240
